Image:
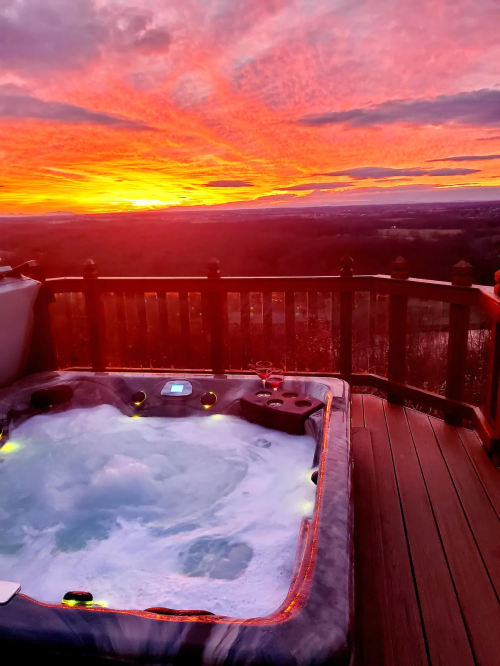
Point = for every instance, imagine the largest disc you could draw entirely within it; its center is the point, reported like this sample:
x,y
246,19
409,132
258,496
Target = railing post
x,y
398,310
346,303
492,407
95,320
457,340
42,354
216,316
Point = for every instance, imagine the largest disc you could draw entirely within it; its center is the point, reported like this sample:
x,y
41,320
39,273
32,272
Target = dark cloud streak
x,y
362,173
480,108
317,186
228,183
23,107
466,158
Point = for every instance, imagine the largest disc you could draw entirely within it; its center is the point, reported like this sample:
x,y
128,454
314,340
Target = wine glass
x,y
263,369
275,379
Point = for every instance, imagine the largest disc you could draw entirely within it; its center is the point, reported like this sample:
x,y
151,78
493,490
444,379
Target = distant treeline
x,y
292,242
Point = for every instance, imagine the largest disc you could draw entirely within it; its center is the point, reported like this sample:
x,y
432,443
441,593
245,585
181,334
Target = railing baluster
x,y
95,320
164,329
185,328
123,340
346,303
153,324
290,330
68,311
372,332
335,331
216,320
256,326
312,332
324,338
112,331
457,340
144,350
196,339
205,324
267,326
398,310
301,332
246,333
131,317
82,341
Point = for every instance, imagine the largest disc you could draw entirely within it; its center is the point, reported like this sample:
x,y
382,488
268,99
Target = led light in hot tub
x,y
10,447
139,398
208,399
307,508
78,598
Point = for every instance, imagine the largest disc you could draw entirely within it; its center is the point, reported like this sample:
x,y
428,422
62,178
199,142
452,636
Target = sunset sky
x,y
110,105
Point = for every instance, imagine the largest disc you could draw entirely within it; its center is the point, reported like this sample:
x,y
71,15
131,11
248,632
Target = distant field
x,y
262,242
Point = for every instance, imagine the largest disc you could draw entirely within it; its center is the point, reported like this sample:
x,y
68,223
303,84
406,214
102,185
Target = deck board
x,y
443,623
427,507
488,474
369,565
357,418
480,513
475,593
403,637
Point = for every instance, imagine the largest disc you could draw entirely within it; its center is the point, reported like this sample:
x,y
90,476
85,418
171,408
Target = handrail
x,y
214,289
384,284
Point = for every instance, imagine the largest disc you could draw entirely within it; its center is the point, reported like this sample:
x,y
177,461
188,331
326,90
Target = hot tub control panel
x,y
177,388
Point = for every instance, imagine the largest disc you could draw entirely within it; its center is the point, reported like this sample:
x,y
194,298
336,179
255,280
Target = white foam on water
x,y
188,513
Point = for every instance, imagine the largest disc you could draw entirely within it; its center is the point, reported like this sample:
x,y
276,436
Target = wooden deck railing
x,y
433,343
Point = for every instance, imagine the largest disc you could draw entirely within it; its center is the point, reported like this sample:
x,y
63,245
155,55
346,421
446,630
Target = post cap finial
x,y
90,269
400,269
213,268
461,274
346,266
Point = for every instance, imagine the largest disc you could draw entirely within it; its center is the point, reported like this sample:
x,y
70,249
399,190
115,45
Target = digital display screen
x,y
176,388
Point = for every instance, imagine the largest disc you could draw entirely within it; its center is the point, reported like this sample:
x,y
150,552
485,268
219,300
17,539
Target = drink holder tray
x,y
281,409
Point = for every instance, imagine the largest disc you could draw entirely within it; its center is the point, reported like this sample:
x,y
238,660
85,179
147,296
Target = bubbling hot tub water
x,y
197,512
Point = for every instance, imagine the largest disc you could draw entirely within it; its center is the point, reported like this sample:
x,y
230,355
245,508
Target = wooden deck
x,y
427,540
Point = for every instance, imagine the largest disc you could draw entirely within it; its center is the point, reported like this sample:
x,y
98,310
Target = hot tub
x,y
293,611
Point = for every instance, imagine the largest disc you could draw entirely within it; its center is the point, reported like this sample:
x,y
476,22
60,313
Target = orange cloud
x,y
147,105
